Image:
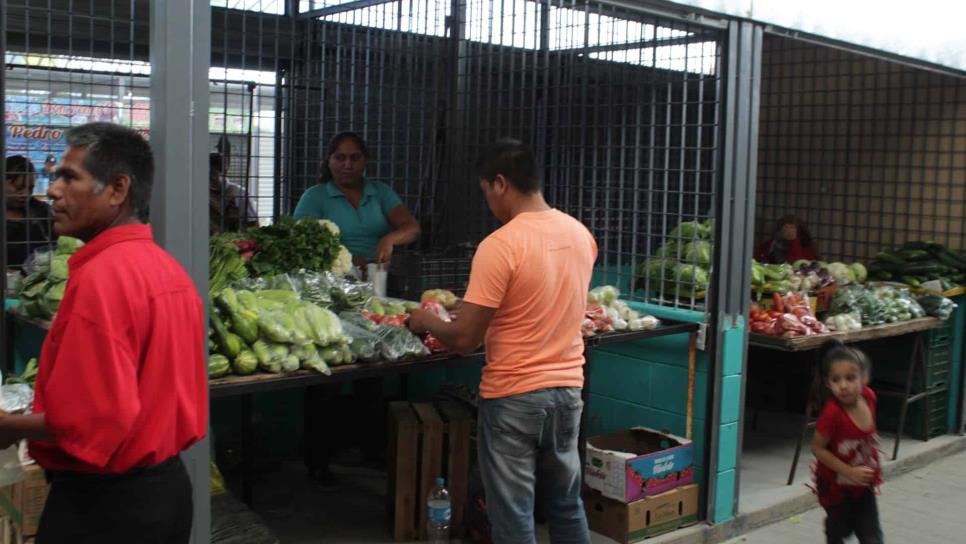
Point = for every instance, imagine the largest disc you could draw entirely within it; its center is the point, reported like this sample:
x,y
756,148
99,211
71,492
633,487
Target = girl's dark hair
x,y
834,350
16,166
334,144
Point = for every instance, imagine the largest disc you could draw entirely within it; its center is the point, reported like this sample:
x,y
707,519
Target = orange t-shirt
x,y
535,271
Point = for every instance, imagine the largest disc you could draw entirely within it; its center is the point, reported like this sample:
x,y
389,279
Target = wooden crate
x,y
403,443
426,441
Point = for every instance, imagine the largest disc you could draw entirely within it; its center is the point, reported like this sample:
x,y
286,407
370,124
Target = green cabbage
x,y
698,252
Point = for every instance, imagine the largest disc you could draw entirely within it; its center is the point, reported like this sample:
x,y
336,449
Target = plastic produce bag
x,y
844,322
16,398
38,262
356,318
937,306
365,345
347,293
398,343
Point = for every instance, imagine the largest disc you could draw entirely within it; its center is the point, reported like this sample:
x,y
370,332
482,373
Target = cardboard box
x,y
636,463
24,500
642,519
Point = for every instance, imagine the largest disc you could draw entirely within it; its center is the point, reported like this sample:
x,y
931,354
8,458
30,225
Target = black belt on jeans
x,y
66,476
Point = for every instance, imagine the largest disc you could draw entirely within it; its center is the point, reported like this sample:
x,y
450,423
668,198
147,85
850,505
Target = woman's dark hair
x,y
334,144
833,351
16,166
514,161
804,236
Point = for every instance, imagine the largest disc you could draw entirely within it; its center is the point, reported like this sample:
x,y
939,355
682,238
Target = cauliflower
x,y
343,262
333,228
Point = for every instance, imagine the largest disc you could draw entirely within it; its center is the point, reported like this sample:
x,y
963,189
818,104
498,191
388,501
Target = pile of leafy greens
x,y
289,245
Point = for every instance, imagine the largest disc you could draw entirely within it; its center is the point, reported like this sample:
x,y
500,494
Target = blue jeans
x,y
527,444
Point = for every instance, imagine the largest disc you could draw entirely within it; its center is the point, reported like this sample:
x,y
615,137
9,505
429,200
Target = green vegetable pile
x,y
40,292
289,245
29,375
225,262
273,331
876,305
681,267
920,261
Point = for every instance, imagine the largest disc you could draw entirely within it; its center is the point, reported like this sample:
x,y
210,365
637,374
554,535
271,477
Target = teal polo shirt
x,y
361,227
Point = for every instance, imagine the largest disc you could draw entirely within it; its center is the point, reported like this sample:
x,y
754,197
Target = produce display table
x,y
815,341
246,386
915,328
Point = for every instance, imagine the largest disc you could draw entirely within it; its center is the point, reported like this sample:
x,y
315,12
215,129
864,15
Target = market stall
x,y
853,168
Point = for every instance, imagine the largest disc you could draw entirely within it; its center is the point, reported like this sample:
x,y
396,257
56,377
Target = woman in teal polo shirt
x,y
373,221
372,218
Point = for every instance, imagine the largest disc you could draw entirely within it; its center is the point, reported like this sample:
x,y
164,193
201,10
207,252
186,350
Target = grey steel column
x,y
180,57
735,221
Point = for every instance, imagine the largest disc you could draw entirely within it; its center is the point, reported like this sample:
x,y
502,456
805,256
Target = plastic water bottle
x,y
438,514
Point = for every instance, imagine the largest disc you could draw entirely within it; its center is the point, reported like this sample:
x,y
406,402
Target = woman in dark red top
x,y
848,470
791,242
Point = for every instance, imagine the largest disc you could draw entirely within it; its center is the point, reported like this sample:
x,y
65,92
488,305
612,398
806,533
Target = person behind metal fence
x,y
229,206
848,470
526,297
121,388
371,217
791,241
27,219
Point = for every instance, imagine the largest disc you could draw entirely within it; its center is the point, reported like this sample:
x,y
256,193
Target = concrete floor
x,y
301,512
925,507
767,457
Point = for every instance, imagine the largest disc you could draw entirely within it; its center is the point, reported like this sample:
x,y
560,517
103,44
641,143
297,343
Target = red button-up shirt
x,y
122,379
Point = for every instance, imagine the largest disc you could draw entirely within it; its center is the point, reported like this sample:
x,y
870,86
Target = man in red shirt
x,y
122,386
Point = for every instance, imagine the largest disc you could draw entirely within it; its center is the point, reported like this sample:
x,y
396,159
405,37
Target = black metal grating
x,y
869,153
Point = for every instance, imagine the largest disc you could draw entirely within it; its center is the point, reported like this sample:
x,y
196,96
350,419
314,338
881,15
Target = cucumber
x,y
911,281
910,255
917,244
881,275
949,258
923,268
888,257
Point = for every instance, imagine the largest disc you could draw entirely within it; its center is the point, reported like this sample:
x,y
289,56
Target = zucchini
x,y
918,244
923,268
914,255
882,275
949,258
888,257
911,281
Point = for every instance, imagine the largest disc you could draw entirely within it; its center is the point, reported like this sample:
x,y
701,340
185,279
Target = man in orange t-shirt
x,y
527,296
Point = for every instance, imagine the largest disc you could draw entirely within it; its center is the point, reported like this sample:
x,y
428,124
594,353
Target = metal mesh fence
x,y
620,107
622,110
869,153
67,63
251,52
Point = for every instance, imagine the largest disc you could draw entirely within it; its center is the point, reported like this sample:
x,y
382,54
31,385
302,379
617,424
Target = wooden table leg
x,y
247,454
917,358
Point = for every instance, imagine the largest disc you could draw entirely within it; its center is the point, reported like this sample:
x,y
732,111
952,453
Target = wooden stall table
x,y
917,361
246,386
